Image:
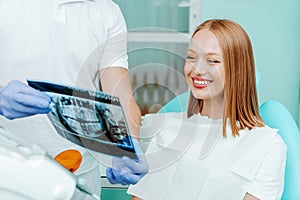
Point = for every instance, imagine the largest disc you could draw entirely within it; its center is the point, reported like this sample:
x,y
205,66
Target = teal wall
x,y
274,28
141,14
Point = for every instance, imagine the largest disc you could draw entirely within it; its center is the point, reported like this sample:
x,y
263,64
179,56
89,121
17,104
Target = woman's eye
x,y
190,58
211,61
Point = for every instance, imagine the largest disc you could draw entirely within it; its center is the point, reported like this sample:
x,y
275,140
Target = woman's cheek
x,y
187,70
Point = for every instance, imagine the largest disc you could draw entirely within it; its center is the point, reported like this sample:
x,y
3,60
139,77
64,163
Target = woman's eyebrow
x,y
206,53
213,54
192,51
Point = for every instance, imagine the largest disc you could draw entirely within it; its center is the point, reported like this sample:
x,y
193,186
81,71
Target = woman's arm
x,y
268,182
249,197
136,198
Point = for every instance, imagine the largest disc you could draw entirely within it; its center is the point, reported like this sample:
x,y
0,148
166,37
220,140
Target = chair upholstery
x,y
177,104
277,116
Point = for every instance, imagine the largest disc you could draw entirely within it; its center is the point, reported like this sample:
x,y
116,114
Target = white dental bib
x,y
182,167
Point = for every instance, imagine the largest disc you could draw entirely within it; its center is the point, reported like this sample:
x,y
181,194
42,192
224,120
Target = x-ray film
x,y
93,120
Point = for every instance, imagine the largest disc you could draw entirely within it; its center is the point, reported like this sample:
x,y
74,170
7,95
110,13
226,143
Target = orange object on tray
x,y
70,159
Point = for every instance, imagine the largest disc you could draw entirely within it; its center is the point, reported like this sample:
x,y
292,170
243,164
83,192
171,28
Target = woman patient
x,y
220,148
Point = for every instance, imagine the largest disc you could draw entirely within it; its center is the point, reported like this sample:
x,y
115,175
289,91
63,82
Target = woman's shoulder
x,y
268,132
252,147
264,137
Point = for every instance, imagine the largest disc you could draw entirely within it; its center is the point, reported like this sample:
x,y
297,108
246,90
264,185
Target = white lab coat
x,y
63,41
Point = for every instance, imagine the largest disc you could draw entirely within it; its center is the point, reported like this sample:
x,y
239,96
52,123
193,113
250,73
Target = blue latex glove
x,y
20,100
126,170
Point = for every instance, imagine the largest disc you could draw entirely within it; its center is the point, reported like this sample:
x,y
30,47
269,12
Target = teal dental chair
x,y
277,116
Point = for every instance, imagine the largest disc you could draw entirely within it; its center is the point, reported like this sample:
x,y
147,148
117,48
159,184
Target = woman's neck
x,y
213,110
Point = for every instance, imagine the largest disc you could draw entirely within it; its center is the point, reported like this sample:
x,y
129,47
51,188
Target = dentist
x,y
53,40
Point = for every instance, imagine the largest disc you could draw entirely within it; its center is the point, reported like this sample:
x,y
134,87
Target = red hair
x,y
241,102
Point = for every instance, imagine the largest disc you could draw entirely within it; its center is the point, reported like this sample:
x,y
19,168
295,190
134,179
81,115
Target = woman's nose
x,y
200,68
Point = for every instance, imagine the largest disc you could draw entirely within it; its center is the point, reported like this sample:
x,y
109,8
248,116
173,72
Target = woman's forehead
x,y
205,42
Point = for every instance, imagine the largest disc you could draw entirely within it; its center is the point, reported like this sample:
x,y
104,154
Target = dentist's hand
x,y
20,100
128,171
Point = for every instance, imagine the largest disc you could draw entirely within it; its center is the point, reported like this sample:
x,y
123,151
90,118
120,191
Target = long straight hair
x,y
240,95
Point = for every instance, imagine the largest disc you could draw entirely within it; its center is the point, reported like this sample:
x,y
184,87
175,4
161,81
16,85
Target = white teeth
x,y
201,82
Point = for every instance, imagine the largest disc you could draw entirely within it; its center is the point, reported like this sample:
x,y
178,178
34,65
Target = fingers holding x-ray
x,y
19,100
126,170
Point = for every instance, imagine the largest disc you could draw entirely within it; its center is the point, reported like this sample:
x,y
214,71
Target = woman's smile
x,y
200,83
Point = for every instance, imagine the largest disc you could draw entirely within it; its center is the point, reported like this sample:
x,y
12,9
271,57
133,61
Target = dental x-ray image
x,y
94,120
